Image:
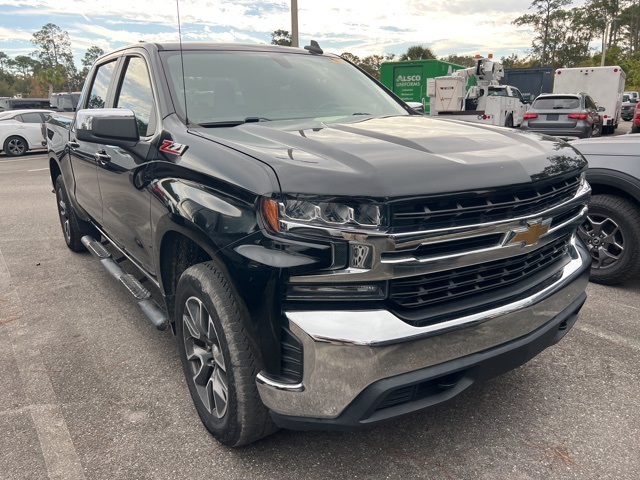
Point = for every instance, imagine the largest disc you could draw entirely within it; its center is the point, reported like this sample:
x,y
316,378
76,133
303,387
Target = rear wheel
x,y
73,228
509,121
219,360
15,146
611,232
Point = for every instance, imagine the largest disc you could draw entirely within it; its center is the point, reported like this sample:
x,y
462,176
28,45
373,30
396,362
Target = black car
x,y
612,228
564,115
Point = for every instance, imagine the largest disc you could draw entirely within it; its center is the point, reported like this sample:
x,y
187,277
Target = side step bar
x,y
149,307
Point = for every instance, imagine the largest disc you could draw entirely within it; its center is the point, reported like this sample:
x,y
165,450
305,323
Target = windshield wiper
x,y
234,123
361,113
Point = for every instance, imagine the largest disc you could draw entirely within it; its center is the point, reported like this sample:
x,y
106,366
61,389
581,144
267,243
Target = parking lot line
x,y
60,456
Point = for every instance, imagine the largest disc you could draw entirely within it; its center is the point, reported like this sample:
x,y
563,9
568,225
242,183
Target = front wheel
x,y
611,232
219,360
15,146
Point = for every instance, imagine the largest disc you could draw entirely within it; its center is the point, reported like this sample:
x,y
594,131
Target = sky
x,y
361,27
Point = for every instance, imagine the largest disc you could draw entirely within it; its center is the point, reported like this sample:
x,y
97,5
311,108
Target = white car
x,y
20,131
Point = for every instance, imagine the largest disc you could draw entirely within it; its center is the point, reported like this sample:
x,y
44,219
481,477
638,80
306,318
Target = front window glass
x,y
137,95
99,89
234,86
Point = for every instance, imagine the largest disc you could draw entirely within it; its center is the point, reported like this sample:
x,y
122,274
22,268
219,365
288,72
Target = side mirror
x,y
633,100
601,109
111,126
416,106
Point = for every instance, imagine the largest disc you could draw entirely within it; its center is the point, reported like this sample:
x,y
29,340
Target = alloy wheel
x,y
16,147
64,215
604,239
204,354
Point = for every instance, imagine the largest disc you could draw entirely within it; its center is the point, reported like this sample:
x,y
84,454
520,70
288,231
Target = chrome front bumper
x,y
347,351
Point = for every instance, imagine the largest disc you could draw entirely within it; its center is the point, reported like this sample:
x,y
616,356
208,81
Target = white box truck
x,y
604,84
486,102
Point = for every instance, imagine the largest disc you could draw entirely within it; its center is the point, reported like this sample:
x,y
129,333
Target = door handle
x,y
102,157
73,144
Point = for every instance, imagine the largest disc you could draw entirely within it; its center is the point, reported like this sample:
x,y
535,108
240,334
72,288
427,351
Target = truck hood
x,y
396,156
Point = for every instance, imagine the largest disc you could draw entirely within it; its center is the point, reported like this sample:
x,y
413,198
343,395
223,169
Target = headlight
x,y
283,216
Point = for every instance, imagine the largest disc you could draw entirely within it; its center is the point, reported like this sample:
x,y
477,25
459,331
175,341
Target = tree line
x,y
564,34
49,68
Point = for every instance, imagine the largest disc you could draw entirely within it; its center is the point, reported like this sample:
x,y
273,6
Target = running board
x,y
141,295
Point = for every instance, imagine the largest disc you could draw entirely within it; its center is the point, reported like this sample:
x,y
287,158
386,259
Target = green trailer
x,y
408,80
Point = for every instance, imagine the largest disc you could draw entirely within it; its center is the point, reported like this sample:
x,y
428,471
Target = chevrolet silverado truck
x,y
326,257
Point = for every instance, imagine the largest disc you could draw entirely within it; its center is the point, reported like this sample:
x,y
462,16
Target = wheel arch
x,y
181,244
604,181
54,171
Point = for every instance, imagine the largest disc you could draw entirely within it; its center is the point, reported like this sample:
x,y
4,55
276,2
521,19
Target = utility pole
x,y
294,23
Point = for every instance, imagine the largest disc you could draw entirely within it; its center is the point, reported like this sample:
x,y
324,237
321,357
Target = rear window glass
x,y
556,103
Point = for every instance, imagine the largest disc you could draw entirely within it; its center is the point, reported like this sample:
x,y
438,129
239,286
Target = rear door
x,y
29,127
83,155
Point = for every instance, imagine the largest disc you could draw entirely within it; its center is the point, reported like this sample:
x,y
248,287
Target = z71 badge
x,y
172,147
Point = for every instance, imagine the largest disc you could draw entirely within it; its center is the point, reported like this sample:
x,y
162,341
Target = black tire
x,y
216,338
15,146
73,229
607,130
509,121
597,131
611,232
635,129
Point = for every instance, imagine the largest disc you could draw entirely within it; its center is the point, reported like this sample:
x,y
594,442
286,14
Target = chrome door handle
x,y
102,157
73,144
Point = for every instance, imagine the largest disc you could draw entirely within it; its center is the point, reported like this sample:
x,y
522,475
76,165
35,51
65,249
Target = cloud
x,y
360,27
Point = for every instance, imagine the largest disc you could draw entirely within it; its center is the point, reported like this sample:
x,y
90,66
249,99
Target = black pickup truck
x,y
327,257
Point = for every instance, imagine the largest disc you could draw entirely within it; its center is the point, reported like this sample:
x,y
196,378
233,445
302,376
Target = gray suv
x,y
564,115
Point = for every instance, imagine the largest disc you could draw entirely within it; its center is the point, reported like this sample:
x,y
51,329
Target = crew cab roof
x,y
209,46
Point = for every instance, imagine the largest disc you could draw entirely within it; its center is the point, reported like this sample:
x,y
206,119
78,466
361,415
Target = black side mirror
x,y
112,126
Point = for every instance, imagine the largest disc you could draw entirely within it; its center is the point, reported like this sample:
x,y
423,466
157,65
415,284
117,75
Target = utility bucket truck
x,y
604,84
487,102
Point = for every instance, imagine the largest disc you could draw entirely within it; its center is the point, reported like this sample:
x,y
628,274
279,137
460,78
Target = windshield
x,y
227,87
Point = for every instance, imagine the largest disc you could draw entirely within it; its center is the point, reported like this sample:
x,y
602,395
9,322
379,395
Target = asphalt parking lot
x,y
89,390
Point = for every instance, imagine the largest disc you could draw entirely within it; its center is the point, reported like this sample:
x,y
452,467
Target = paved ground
x,y
88,390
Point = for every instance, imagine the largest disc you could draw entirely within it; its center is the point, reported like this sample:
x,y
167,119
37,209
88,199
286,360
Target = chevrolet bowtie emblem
x,y
530,234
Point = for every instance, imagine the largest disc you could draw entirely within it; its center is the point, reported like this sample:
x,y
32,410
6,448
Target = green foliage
x,y
513,61
91,55
50,68
370,64
418,52
464,60
562,35
281,37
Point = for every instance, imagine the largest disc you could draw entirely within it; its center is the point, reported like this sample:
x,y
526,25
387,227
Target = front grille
x,y
474,208
487,281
